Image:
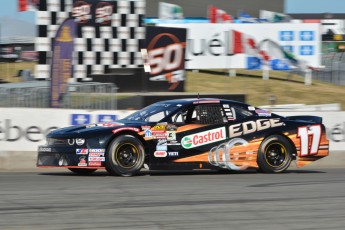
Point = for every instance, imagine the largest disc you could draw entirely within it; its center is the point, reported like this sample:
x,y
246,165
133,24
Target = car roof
x,y
190,101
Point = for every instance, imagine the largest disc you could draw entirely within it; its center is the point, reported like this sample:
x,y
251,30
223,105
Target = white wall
x,y
23,129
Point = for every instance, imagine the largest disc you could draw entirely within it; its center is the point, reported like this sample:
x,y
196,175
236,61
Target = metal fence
x,y
36,94
334,69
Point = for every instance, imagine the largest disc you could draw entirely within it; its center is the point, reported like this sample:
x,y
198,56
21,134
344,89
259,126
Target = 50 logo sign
x,y
93,12
166,54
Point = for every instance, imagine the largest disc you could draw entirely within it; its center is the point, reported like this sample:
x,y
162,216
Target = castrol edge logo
x,y
253,126
203,138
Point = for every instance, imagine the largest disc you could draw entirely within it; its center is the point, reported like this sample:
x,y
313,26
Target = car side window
x,y
205,114
242,113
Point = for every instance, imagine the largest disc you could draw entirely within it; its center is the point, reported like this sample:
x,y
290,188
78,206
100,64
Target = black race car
x,y
188,134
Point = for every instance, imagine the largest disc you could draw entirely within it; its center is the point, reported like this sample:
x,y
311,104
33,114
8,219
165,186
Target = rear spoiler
x,y
313,119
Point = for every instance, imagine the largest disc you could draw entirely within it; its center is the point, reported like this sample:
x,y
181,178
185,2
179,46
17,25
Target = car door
x,y
199,127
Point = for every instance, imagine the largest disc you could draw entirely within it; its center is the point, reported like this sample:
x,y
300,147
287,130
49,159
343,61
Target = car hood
x,y
80,130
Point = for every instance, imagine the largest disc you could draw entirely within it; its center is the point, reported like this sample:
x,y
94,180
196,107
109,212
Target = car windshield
x,y
153,113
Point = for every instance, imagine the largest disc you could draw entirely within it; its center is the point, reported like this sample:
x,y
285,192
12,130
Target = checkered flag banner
x,y
109,34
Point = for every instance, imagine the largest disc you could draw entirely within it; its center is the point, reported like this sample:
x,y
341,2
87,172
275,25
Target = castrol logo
x,y
203,138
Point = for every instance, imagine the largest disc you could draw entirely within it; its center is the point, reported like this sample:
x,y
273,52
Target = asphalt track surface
x,y
299,199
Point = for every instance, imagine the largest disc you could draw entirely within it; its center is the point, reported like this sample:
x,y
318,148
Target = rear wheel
x,y
81,171
274,154
125,156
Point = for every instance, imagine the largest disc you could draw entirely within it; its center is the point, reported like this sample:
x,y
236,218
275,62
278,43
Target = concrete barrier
x,y
26,161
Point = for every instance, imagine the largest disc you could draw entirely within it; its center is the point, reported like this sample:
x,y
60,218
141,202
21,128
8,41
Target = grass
x,y
8,71
257,91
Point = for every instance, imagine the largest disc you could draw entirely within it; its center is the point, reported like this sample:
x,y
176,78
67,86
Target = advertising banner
x,y
212,45
166,55
23,129
18,133
93,12
61,66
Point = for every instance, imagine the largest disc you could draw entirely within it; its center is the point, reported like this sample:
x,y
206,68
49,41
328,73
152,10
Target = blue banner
x,y
278,64
253,63
61,65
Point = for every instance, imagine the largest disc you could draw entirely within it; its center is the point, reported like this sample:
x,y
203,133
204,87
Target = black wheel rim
x,y
276,155
127,155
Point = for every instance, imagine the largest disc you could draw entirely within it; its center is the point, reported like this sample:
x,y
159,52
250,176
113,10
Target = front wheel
x,y
125,156
274,154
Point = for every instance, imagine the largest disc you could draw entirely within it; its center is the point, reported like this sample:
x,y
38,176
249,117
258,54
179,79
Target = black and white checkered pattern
x,y
96,49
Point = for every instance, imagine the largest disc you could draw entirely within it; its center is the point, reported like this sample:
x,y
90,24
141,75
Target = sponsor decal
x,y
96,158
43,149
80,141
226,106
173,154
206,102
95,163
161,147
159,127
160,136
148,133
263,113
173,143
145,127
126,128
171,127
160,153
82,161
109,124
82,151
171,135
96,154
253,126
203,138
162,142
251,108
96,150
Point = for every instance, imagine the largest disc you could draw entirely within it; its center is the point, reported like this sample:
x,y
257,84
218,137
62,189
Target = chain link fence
x,y
334,68
36,94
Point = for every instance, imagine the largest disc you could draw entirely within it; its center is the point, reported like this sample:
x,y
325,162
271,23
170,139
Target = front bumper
x,y
70,157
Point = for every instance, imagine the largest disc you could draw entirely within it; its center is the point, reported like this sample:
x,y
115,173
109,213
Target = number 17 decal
x,y
309,136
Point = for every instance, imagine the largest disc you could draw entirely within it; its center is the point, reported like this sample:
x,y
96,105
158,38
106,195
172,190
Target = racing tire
x,y
125,156
274,155
81,171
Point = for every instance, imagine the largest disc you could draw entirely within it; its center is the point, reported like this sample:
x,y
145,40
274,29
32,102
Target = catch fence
x,y
334,68
36,94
